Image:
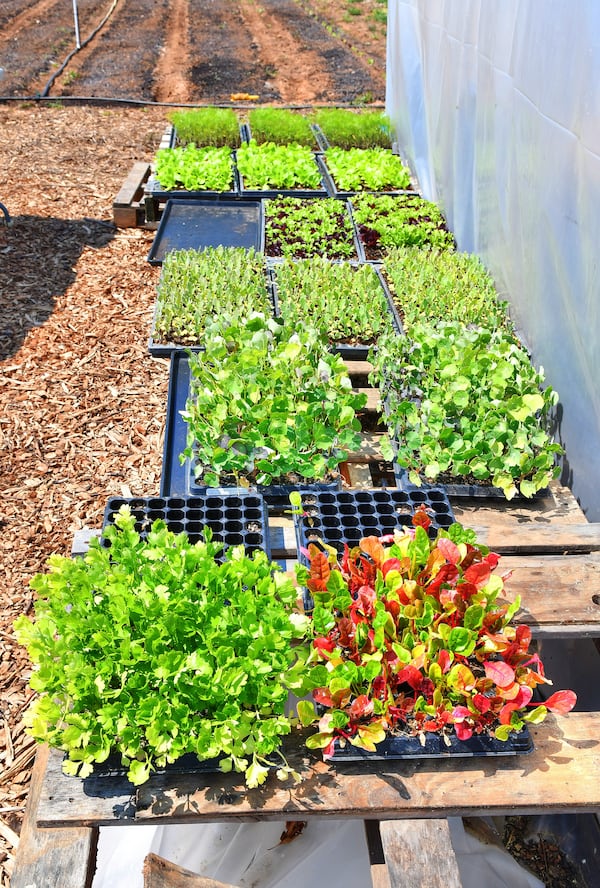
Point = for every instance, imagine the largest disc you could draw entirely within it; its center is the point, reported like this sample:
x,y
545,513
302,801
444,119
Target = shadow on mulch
x,y
38,256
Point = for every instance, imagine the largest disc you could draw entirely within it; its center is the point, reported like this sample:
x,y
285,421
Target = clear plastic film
x,y
497,109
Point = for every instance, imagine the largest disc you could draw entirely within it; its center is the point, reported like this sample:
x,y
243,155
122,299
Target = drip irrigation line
x,y
58,72
114,100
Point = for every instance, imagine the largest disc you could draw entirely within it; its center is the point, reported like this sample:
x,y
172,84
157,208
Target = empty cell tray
x,y
195,225
235,517
342,517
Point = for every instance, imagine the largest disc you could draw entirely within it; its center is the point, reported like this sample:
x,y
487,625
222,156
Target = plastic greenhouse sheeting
x,y
249,855
497,109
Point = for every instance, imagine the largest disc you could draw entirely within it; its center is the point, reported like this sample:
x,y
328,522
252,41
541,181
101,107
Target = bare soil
x,y
194,51
82,404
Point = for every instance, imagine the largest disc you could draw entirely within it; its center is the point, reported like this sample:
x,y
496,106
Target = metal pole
x,y
76,19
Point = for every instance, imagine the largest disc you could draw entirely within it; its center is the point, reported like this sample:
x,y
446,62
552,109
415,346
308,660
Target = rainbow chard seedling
x,y
403,220
203,652
411,636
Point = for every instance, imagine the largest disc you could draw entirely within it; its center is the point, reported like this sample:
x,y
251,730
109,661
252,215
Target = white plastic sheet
x,y
497,109
248,855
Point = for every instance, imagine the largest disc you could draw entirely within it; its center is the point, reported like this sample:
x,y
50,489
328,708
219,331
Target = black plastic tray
x,y
479,491
334,191
196,224
235,517
348,516
177,478
161,349
349,352
358,247
285,192
397,748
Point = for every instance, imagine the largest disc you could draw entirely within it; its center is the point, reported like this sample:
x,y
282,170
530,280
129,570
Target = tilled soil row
x,y
190,51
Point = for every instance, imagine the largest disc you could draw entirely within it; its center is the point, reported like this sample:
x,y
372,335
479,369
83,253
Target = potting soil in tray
x,y
195,225
342,517
404,747
235,517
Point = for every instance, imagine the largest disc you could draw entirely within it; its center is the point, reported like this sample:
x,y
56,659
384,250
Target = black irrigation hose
x,y
58,72
113,100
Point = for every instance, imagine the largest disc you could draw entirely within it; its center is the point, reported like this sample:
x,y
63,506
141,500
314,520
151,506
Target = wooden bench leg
x,y
418,854
52,858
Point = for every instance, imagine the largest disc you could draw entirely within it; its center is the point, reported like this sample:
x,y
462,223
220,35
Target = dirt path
x,y
171,76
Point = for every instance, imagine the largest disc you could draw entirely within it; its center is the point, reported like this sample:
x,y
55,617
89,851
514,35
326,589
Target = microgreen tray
x,y
191,224
235,517
406,747
360,351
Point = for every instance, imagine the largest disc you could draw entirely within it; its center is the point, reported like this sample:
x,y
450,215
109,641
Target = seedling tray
x,y
274,259
347,516
404,747
235,517
278,494
360,351
285,192
162,349
479,491
194,224
334,191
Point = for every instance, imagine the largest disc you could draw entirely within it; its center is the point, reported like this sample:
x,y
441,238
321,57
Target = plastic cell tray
x,y
188,224
235,517
394,748
342,517
348,352
479,491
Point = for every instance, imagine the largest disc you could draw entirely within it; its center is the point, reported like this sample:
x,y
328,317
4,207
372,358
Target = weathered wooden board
x,y
127,209
560,594
419,852
161,873
562,774
56,857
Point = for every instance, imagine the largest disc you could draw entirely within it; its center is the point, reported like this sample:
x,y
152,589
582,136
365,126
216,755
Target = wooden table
x,y
555,558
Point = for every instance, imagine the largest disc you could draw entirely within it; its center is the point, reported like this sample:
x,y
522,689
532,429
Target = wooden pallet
x,y
129,209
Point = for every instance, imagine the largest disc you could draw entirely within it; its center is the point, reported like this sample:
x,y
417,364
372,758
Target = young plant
x,y
403,220
155,648
466,405
297,228
281,126
347,303
197,286
410,635
218,127
433,284
354,129
269,166
268,405
367,169
194,169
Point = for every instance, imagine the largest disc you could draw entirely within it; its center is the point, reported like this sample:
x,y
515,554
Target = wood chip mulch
x,y
82,404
